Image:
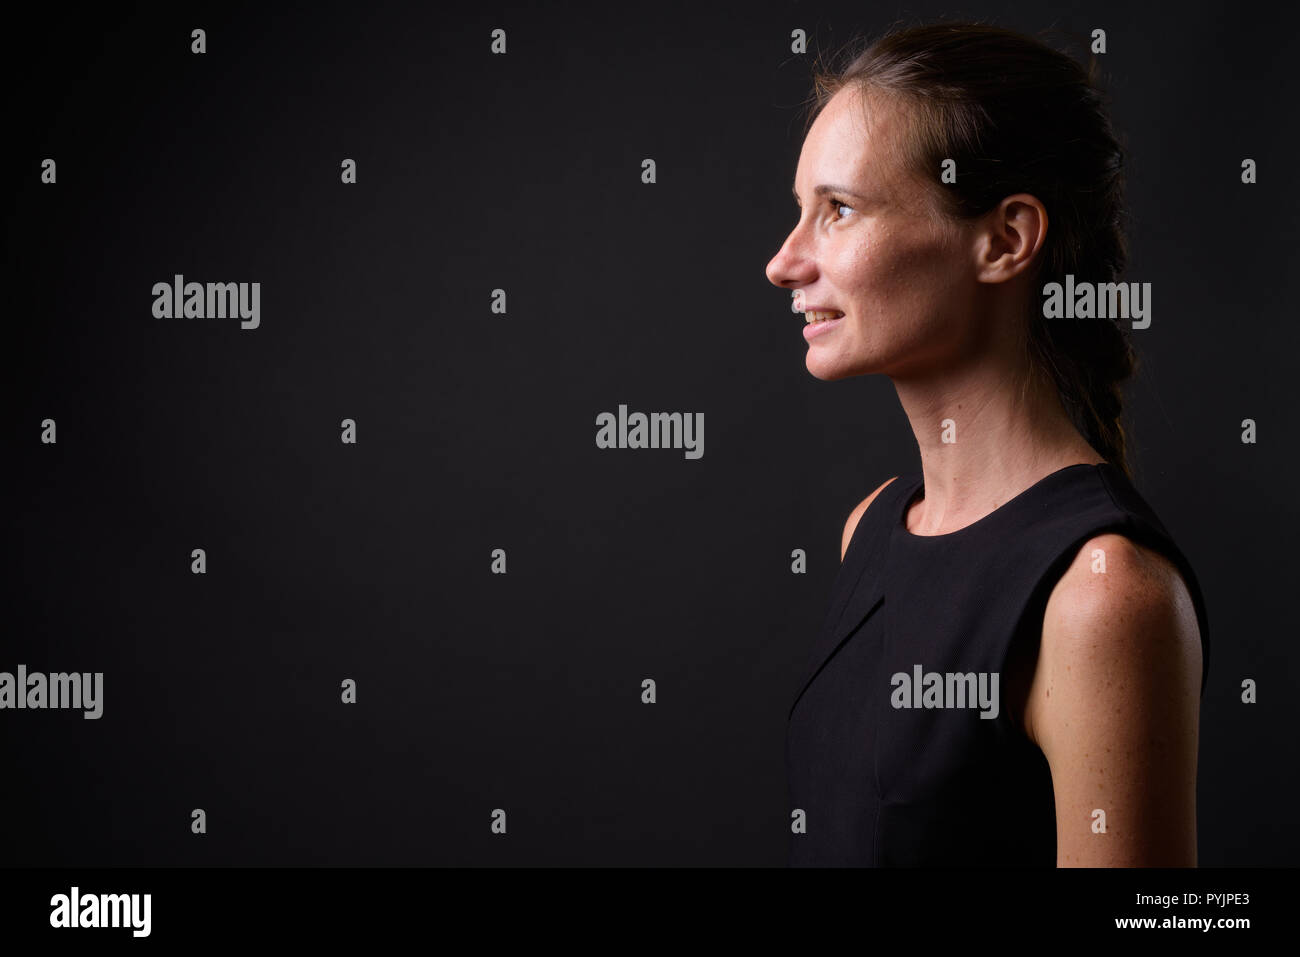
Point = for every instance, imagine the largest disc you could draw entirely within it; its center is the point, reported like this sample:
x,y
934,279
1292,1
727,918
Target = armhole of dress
x,y
872,509
1141,532
1158,539
1137,530
1025,644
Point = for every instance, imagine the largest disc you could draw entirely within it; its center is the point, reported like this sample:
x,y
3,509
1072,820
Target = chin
x,y
831,371
834,366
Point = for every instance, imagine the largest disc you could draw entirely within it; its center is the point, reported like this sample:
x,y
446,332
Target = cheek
x,y
891,270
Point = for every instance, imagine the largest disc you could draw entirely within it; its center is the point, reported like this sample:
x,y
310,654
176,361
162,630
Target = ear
x,y
1009,237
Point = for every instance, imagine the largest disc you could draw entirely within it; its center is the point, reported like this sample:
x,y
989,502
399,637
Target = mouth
x,y
820,324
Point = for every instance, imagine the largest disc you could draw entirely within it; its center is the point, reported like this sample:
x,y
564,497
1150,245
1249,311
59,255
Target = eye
x,y
838,205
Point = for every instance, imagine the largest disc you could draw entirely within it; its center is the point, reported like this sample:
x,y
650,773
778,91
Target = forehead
x,y
855,141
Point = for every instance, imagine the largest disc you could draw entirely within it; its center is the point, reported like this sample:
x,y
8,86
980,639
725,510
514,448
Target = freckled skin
x,y
1126,649
889,264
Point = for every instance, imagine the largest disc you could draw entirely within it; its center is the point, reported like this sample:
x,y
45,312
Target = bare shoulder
x,y
1112,592
1118,606
1114,702
855,516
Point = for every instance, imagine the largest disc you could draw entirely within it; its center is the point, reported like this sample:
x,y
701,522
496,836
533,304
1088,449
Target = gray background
x,y
476,431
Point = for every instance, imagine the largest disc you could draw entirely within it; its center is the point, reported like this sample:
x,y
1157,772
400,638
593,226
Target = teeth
x,y
811,317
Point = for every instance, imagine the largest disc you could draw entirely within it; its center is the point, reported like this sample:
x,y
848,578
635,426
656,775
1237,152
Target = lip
x,y
814,329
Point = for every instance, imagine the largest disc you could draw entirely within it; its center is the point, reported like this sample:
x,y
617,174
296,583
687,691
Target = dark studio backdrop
x,y
475,430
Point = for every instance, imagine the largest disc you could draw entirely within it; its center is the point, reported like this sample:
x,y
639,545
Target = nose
x,y
789,268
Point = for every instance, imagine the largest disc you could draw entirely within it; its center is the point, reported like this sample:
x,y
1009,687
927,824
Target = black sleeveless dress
x,y
925,771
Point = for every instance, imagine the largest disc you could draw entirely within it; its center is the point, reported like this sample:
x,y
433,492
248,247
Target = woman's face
x,y
902,275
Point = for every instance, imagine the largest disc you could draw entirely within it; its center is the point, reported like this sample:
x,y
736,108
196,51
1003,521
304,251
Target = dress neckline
x,y
918,486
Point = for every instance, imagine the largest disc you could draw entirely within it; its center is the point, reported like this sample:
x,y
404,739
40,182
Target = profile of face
x,y
870,245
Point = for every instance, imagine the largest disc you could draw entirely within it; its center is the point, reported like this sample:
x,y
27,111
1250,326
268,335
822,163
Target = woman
x,y
1011,668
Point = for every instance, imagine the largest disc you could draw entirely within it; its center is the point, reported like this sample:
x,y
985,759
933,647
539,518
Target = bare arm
x,y
1114,705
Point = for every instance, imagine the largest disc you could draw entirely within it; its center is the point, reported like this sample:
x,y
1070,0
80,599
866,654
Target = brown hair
x,y
1018,116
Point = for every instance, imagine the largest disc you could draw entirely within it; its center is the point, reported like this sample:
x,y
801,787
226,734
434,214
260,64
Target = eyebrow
x,y
824,190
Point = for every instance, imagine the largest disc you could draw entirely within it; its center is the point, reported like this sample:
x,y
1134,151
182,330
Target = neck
x,y
983,442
